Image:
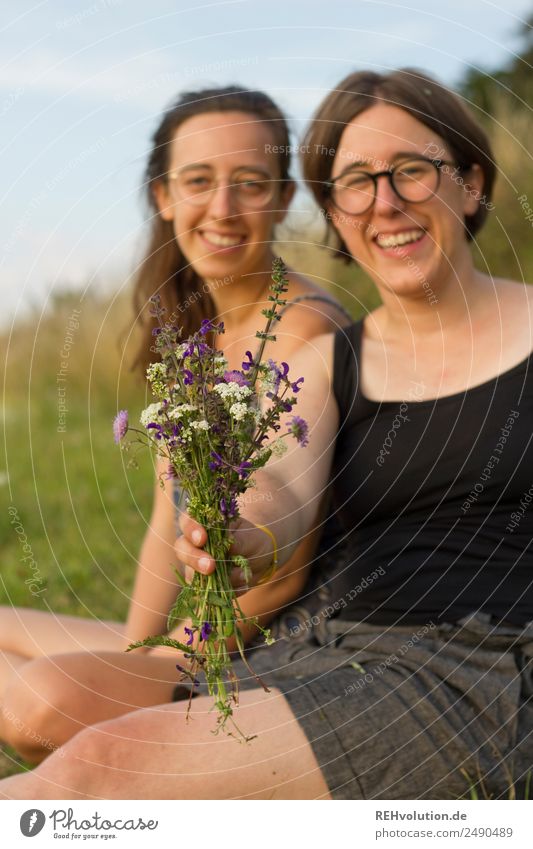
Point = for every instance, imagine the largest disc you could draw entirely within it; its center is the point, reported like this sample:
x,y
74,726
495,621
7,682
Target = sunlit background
x,y
82,85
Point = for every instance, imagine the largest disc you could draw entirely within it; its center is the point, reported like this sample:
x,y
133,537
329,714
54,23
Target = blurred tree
x,y
516,78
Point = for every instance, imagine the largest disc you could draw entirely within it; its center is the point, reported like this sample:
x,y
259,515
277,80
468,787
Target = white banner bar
x,y
230,825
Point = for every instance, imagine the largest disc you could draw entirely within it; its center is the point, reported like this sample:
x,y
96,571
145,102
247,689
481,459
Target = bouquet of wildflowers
x,y
215,428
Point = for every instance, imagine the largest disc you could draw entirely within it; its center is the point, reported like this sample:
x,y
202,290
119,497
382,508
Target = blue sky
x,y
82,85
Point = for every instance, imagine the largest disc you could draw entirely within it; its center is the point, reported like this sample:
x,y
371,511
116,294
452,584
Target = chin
x,y
213,267
406,288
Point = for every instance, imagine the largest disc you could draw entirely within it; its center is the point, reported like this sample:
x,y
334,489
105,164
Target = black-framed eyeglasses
x,y
413,180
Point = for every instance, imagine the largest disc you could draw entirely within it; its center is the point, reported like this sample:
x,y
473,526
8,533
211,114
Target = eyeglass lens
x,y
413,181
249,188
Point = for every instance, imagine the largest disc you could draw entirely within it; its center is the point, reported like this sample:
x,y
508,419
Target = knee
x,y
33,713
91,764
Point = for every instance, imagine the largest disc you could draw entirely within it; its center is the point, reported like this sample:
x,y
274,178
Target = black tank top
x,y
435,498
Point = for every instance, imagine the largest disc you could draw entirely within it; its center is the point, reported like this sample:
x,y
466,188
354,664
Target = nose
x,y
387,201
222,201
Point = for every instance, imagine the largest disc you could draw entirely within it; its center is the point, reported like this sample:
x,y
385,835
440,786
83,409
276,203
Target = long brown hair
x,y
164,269
422,97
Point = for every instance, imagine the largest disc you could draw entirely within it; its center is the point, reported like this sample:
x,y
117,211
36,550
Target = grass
x,y
516,789
81,512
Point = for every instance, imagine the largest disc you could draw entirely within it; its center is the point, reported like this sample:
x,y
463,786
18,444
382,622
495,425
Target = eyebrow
x,y
202,166
409,154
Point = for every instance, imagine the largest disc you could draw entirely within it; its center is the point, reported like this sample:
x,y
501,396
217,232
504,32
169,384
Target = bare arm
x,y
155,583
296,484
294,488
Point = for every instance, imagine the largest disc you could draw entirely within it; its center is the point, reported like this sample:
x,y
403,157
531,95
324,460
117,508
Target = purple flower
x,y
198,348
206,630
120,425
217,462
296,385
190,634
276,374
157,428
299,428
155,306
247,364
242,468
284,369
207,326
228,507
171,472
235,377
188,377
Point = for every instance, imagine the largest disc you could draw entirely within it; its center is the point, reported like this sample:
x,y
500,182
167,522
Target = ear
x,y
473,189
285,200
163,200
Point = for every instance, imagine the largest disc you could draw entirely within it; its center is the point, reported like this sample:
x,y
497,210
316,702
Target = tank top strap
x,y
352,405
325,299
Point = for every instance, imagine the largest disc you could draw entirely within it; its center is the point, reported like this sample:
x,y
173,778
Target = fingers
x,y
249,541
192,530
193,556
186,572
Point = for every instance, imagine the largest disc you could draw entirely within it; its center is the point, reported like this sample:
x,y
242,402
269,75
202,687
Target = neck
x,y
459,300
236,301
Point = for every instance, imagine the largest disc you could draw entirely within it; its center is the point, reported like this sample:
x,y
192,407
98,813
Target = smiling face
x,y
228,234
401,244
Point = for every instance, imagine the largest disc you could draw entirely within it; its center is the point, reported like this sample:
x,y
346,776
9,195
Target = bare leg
x,y
34,633
156,754
9,664
26,634
53,698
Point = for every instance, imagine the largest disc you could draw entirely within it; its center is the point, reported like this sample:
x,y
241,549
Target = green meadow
x,y
73,513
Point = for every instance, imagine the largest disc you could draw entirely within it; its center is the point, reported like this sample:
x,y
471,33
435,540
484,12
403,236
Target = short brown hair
x,y
421,96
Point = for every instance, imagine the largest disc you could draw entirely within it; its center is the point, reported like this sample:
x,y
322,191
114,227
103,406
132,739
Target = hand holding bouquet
x,y
215,428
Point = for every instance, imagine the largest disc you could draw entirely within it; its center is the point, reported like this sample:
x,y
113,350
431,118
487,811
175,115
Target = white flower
x,y
177,412
232,391
151,414
238,411
278,447
201,425
156,371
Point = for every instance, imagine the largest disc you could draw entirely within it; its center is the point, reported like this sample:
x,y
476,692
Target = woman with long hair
x,y
217,183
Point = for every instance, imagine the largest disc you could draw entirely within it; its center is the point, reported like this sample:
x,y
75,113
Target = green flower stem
x,y
279,276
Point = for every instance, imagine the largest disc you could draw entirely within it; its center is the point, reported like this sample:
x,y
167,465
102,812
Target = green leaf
x,y
159,640
213,598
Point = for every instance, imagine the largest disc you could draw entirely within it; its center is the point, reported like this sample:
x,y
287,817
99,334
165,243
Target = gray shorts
x,y
412,712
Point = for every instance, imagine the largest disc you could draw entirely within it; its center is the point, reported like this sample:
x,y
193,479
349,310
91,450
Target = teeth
x,y
394,241
223,241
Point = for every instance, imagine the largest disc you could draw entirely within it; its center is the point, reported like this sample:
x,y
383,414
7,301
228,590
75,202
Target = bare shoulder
x,y
312,309
516,299
316,358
